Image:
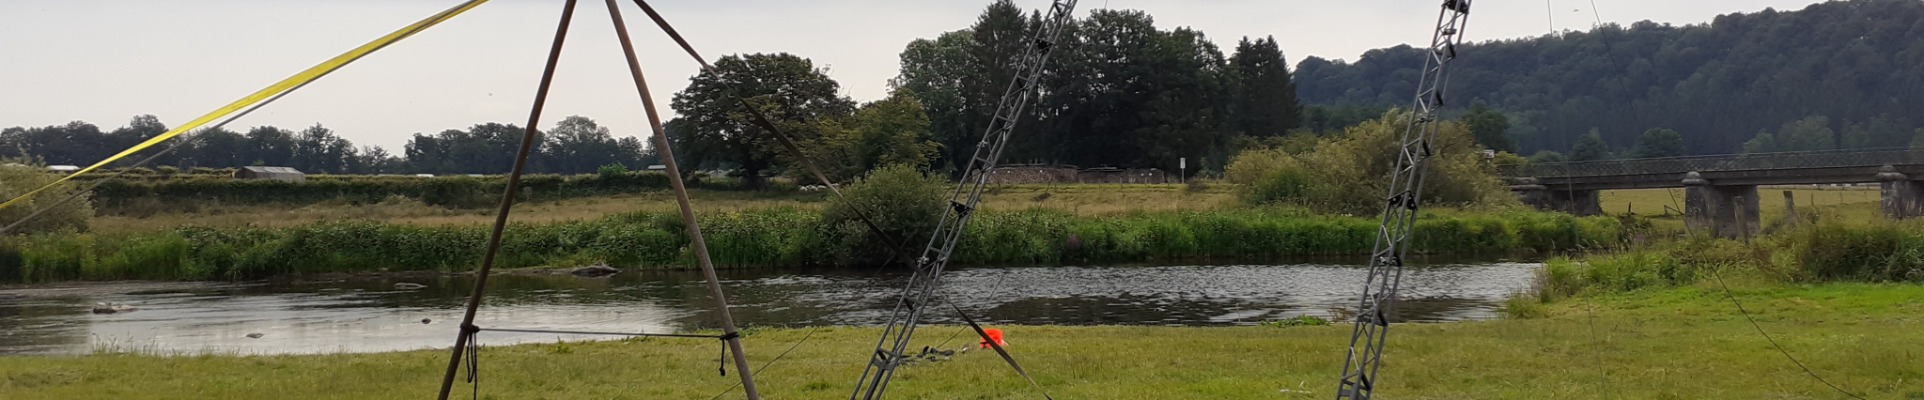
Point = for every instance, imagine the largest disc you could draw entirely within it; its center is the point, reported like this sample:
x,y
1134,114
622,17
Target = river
x,y
371,315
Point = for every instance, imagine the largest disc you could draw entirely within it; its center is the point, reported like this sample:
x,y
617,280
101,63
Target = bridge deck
x,y
1817,167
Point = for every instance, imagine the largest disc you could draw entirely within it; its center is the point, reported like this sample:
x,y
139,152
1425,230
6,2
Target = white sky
x,y
103,61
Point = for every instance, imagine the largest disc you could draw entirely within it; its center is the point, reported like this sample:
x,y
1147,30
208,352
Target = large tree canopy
x,y
1659,142
1263,98
788,89
1118,91
1490,127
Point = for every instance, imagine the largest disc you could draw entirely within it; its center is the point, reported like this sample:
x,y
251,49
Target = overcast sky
x,y
103,61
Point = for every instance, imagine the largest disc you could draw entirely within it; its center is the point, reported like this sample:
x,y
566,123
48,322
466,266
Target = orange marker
x,y
996,335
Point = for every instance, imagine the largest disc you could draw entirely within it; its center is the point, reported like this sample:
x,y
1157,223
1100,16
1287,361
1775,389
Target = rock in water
x,y
255,335
425,321
106,308
408,286
596,271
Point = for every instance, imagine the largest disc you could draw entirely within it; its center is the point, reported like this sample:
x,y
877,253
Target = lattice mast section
x,y
1399,211
962,203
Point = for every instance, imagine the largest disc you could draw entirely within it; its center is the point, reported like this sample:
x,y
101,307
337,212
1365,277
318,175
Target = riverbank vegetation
x,y
1874,252
1863,337
781,237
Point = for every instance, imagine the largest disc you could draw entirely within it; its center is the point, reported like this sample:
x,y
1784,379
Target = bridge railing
x,y
1724,162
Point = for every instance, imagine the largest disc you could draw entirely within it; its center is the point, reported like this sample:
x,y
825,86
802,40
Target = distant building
x,y
274,173
63,168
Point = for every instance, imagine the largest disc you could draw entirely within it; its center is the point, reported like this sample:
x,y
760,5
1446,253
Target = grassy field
x,y
1079,199
1684,343
1666,205
1851,204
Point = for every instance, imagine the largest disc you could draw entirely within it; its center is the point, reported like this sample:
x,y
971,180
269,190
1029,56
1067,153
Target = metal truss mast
x,y
962,202
1399,211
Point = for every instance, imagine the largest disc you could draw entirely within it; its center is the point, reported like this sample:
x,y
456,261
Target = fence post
x,y
1790,209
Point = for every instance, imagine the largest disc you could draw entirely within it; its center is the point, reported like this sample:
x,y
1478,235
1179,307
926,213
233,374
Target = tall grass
x,y
775,237
1824,252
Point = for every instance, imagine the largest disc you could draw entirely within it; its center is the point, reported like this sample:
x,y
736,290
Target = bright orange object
x,y
994,334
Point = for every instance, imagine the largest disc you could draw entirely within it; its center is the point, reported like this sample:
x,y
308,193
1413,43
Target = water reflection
x,y
359,315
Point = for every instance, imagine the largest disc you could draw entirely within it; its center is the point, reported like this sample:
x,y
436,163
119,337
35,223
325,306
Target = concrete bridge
x,y
1720,192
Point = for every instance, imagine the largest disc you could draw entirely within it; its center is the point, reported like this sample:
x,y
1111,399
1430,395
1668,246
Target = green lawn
x,y
1686,343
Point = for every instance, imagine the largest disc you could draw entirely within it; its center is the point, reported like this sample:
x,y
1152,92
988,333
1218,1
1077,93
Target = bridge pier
x,y
1902,197
1727,211
1578,202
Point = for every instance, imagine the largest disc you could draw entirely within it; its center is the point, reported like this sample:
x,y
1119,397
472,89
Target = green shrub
x,y
1349,173
458,192
1524,306
609,170
12,263
1871,252
55,215
901,201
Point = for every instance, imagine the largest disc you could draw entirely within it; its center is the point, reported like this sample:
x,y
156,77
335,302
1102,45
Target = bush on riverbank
x,y
18,177
903,203
764,238
1345,173
1827,252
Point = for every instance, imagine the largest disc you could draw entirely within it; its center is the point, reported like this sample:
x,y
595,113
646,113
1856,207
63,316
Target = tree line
x,y
575,145
1121,91
1838,74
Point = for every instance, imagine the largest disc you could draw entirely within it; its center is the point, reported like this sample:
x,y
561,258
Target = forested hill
x,y
1859,64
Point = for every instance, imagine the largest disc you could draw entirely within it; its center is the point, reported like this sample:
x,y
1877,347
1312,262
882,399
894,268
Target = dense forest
x,y
1121,91
1841,74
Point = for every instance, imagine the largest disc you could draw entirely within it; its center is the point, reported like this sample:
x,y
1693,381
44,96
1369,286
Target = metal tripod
x,y
1399,211
962,203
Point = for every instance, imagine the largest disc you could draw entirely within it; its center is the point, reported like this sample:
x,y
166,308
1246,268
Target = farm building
x,y
274,173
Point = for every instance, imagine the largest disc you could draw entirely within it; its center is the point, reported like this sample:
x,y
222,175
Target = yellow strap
x,y
299,79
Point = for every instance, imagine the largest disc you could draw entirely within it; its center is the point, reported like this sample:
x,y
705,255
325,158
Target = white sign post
x,y
1182,168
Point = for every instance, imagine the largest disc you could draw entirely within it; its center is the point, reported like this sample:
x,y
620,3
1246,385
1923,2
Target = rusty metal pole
x,y
729,333
468,328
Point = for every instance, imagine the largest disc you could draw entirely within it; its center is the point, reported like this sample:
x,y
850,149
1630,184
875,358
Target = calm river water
x,y
366,315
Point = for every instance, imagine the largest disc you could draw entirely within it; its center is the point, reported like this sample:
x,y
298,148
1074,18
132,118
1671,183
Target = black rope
x,y
1603,370
1773,342
783,137
499,230
1000,351
778,357
723,368
474,362
1576,240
